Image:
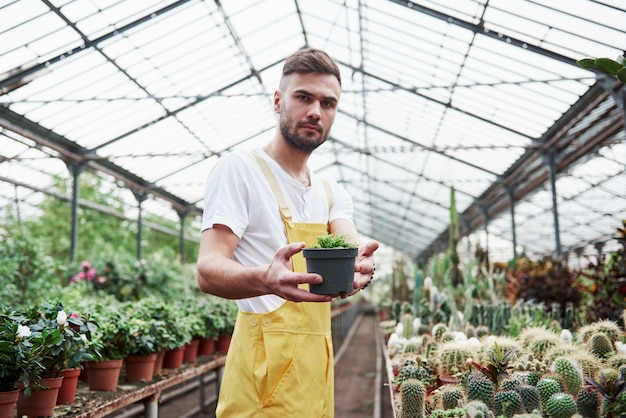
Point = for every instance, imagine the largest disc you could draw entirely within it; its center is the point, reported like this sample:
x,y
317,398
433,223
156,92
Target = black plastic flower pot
x,y
335,265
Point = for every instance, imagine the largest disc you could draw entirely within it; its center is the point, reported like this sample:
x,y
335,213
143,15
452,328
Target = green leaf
x,y
608,66
621,75
587,63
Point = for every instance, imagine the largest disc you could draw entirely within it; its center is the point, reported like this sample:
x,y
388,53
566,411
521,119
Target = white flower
x,y
61,318
84,338
23,331
620,347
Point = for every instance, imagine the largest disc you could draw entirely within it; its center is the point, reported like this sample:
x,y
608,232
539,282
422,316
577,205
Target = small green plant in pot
x,y
333,259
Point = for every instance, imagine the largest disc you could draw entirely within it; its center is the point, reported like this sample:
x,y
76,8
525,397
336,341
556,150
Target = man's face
x,y
307,105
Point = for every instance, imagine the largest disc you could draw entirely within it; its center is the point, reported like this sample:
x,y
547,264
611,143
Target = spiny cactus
x,y
608,327
452,358
438,330
480,388
572,373
560,405
539,340
413,396
510,384
616,361
531,399
482,331
452,396
547,387
470,331
412,345
477,409
507,403
407,325
600,345
589,402
590,364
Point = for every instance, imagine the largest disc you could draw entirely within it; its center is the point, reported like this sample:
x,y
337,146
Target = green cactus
x,y
438,331
600,345
507,403
482,331
470,331
413,399
531,399
589,402
412,346
572,373
547,387
510,384
452,396
616,361
452,358
609,328
407,325
560,405
590,364
479,388
477,409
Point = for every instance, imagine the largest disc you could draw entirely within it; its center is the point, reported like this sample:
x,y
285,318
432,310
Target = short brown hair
x,y
310,61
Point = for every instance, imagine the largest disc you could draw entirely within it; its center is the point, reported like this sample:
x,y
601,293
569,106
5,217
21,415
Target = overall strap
x,y
285,212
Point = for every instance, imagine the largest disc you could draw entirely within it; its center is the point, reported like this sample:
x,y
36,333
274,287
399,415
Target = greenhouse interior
x,y
483,145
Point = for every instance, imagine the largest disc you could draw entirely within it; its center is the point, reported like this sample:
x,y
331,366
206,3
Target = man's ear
x,y
277,98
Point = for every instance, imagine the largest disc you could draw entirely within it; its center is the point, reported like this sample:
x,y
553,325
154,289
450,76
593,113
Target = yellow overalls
x,y
280,364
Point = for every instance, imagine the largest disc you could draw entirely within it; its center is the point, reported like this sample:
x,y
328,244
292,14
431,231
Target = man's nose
x,y
315,110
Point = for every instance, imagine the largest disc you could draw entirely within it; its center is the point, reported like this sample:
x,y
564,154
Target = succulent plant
x,y
480,388
547,387
452,396
507,403
531,399
413,399
589,401
572,373
560,405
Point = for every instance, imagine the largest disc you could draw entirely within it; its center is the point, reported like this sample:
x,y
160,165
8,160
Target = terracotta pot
x,y
174,358
191,351
158,364
206,347
223,343
140,368
67,391
8,400
41,402
103,375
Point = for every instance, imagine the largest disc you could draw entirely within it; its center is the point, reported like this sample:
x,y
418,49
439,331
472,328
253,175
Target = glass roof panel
x,y
435,94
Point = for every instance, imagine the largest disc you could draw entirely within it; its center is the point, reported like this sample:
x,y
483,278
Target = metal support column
x,y
549,158
141,197
486,215
151,406
510,191
182,216
75,170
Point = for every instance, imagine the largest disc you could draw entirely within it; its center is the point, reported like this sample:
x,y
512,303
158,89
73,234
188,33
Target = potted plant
x,y
18,359
113,336
333,259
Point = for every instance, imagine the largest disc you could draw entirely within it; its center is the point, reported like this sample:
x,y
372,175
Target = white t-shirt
x,y
238,195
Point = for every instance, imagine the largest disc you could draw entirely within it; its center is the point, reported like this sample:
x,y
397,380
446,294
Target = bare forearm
x,y
228,279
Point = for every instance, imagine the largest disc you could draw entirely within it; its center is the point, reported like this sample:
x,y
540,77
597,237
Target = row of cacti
x,y
538,373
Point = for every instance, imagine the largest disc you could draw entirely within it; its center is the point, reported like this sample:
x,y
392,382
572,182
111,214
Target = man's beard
x,y
303,143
